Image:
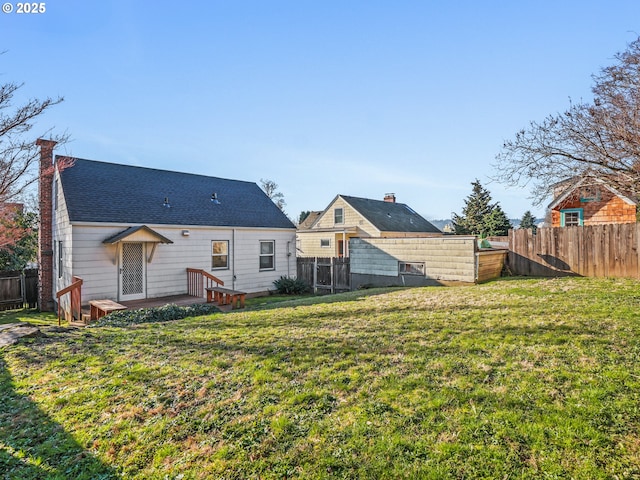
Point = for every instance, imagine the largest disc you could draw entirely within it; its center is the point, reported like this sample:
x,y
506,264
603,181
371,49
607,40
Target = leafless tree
x,y
271,189
601,138
19,154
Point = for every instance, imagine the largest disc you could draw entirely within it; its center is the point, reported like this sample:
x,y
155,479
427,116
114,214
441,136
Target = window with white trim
x,y
338,215
572,217
267,255
59,259
219,254
325,242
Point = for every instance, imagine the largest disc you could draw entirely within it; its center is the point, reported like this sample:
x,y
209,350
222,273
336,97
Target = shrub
x,y
291,286
156,314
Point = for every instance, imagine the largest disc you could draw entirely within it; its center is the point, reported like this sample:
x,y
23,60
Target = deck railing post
x,y
198,279
75,290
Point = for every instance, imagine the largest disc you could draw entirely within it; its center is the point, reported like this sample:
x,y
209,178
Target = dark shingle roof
x,y
390,216
108,192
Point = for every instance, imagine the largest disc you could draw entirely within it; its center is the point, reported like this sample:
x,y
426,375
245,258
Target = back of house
x,y
131,232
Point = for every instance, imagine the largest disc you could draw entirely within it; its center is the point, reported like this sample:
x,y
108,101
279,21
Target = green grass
x,y
518,378
28,315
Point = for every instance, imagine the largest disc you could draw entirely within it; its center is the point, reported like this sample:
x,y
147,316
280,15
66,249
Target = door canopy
x,y
139,234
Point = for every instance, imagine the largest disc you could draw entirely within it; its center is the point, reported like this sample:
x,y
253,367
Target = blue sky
x,y
323,97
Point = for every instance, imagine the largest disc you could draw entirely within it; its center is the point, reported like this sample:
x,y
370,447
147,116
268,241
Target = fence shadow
x,y
539,266
606,250
33,445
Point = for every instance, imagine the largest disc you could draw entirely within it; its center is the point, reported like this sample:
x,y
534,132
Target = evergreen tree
x,y
476,209
529,221
497,224
303,215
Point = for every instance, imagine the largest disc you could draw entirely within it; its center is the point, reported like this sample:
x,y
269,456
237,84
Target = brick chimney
x,y
45,237
390,197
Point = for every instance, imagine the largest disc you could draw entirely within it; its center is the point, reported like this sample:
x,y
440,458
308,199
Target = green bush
x,y
165,313
291,286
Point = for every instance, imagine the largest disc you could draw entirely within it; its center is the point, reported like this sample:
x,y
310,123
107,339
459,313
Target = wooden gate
x,y
325,274
18,289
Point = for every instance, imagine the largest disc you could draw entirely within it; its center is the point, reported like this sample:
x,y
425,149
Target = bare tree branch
x,y
601,138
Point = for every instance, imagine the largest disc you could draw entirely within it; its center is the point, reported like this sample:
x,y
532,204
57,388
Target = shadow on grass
x,y
33,446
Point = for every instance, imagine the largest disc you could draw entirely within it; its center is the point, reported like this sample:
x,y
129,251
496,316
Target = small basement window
x,y
411,268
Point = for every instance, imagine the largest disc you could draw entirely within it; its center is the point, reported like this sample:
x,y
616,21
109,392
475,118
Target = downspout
x,y
233,259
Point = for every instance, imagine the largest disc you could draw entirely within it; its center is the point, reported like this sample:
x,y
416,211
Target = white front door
x,y
133,281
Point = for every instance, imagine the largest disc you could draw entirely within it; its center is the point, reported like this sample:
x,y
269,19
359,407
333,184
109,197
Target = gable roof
x,y
584,181
310,220
390,216
113,193
141,231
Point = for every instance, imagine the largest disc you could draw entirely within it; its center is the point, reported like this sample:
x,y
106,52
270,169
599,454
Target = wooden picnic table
x,y
100,308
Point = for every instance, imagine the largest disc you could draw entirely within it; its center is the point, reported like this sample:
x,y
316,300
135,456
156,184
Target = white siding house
x,y
131,232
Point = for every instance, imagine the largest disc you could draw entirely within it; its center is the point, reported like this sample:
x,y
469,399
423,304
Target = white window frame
x,y
220,255
338,219
325,243
411,268
272,255
563,217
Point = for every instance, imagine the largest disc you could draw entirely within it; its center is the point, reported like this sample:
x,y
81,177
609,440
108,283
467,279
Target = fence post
x,y
332,273
23,288
315,275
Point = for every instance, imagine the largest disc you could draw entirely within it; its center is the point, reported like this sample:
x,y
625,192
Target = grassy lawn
x,y
29,316
518,378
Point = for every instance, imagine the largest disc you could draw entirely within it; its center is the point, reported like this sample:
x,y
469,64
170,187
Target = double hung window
x,y
267,255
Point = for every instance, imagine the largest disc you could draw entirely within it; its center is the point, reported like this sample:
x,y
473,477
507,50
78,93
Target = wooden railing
x,y
75,289
198,280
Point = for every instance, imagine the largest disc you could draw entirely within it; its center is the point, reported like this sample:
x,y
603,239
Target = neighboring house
x,y
349,217
311,218
590,200
131,232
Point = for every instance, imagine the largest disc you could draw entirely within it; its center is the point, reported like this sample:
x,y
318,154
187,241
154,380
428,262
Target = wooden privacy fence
x,y
325,273
19,289
593,251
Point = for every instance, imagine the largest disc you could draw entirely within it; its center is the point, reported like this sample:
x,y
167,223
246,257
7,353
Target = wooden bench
x,y
226,296
100,308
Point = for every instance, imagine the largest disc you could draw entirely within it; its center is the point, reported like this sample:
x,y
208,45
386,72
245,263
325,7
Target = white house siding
x,y
98,263
61,233
445,258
